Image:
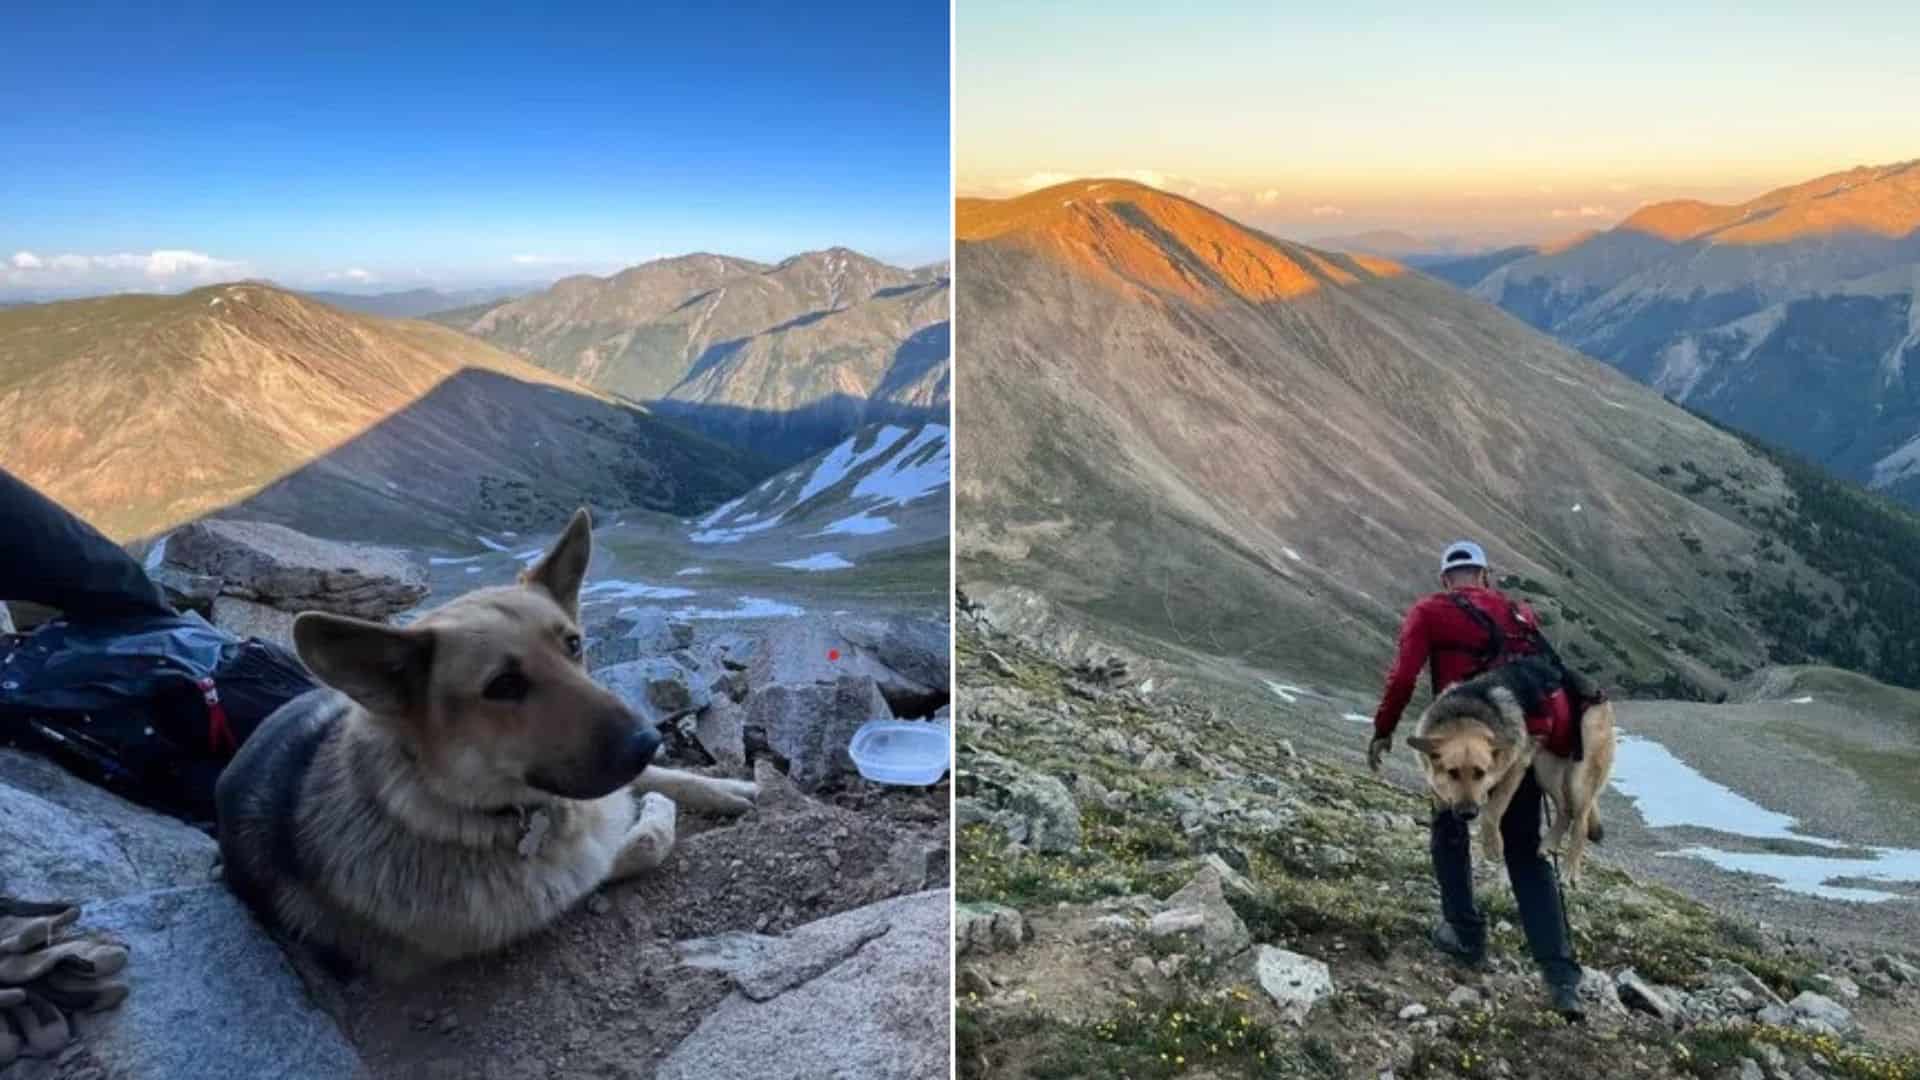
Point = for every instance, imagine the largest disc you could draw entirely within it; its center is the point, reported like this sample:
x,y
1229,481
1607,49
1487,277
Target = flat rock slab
x,y
61,838
292,571
860,994
212,997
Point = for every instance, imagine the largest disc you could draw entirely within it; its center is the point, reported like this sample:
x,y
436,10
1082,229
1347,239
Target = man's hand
x,y
1377,749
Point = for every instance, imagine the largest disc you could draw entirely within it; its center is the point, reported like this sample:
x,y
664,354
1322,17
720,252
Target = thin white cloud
x,y
163,269
354,274
1267,197
547,260
1150,177
1580,212
1036,181
1328,211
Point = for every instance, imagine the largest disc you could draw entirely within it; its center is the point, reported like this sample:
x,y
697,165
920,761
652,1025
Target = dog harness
x,y
1554,723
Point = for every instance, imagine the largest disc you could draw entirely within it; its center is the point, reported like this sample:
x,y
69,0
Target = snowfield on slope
x,y
891,466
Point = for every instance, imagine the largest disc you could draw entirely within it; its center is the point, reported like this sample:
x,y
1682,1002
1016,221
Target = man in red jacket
x,y
1457,633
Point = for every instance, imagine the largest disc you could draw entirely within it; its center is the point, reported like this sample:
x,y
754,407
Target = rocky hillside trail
x,y
811,935
1163,884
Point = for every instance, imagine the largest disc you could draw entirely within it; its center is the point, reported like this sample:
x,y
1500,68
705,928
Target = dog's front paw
x,y
650,839
734,796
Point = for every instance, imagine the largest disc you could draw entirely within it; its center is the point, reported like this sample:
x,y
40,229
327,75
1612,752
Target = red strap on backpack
x,y
220,740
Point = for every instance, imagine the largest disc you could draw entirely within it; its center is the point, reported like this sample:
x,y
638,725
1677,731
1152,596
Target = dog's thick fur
x,y
1475,749
456,786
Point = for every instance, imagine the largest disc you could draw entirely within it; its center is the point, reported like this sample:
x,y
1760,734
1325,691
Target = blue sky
x,y
390,146
1497,120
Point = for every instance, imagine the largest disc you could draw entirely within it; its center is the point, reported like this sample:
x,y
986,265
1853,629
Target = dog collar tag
x,y
533,833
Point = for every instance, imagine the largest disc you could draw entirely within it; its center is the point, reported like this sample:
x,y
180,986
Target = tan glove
x,y
1377,749
42,979
26,926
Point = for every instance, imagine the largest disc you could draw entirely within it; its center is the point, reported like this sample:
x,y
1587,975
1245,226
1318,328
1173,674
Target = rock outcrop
x,y
277,567
61,838
211,997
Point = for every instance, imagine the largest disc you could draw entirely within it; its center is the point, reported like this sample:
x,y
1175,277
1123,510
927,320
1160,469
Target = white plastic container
x,y
908,753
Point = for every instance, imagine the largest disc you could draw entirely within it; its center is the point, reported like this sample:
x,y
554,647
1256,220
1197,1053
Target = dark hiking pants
x,y
48,556
1536,889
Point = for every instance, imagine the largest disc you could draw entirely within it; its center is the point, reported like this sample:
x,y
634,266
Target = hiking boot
x,y
1446,939
1566,1001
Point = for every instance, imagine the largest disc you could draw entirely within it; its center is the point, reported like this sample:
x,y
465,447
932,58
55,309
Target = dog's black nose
x,y
641,746
1466,813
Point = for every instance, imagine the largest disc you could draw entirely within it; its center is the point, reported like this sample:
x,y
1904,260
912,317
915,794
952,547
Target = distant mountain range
x,y
141,412
1791,316
783,359
1207,440
413,303
1400,244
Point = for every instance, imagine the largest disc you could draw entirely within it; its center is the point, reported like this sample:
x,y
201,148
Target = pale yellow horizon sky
x,y
1498,127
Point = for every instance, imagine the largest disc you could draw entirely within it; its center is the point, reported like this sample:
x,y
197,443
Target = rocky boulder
x,y
280,568
657,688
1821,1014
1034,809
64,839
906,658
986,927
1294,982
721,731
1200,908
865,990
634,633
809,725
1637,993
212,996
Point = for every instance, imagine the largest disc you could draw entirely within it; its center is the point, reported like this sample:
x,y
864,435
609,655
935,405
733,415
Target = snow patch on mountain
x,y
881,467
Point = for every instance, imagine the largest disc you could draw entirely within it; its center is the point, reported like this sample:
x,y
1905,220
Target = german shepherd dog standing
x,y
455,786
1476,750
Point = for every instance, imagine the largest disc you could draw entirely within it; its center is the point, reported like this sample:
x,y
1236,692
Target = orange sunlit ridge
x,y
1139,237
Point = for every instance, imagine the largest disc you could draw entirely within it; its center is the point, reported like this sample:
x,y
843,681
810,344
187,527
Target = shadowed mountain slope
x,y
141,412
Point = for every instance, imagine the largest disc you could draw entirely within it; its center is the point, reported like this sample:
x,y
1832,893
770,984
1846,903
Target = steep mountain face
x,y
1791,317
1208,439
141,412
785,359
413,303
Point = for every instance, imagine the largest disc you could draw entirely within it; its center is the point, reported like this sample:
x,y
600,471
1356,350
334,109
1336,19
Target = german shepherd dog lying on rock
x,y
455,786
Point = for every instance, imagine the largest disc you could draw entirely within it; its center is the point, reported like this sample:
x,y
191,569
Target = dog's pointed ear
x,y
1422,744
384,668
561,571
